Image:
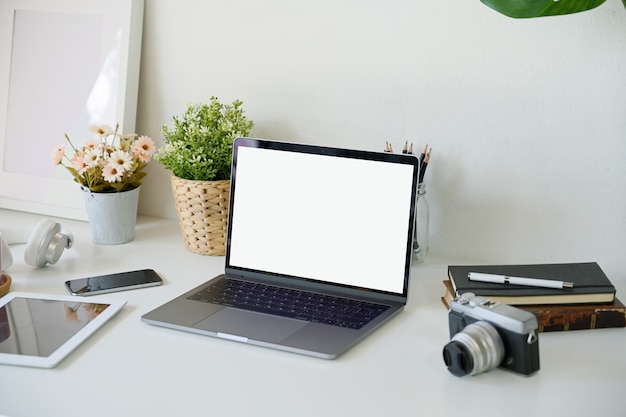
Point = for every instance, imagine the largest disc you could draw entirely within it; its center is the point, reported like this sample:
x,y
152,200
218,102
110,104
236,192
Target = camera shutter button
x,y
466,298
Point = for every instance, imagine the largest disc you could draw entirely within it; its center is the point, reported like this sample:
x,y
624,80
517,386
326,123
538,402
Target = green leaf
x,y
538,8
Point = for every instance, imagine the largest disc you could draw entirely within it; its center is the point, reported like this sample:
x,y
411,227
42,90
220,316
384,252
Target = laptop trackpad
x,y
247,324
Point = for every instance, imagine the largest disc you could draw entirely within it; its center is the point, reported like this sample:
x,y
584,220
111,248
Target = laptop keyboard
x,y
291,303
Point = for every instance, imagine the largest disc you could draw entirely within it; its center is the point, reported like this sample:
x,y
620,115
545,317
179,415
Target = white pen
x,y
532,282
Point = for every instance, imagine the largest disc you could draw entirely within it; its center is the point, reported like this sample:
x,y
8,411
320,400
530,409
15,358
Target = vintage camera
x,y
485,334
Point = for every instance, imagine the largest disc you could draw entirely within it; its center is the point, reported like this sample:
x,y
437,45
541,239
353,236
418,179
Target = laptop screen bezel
x,y
311,284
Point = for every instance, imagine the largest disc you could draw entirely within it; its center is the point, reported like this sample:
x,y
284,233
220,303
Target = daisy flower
x,y
102,130
121,160
111,173
58,153
92,144
91,157
78,161
144,148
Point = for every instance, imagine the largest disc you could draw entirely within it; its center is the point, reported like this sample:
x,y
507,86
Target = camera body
x,y
486,334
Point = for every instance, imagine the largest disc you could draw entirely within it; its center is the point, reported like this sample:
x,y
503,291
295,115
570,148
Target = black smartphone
x,y
113,282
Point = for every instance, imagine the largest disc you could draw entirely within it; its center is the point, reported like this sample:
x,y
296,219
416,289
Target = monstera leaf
x,y
537,8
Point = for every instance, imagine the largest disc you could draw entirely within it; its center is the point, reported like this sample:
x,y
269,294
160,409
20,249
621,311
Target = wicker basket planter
x,y
202,208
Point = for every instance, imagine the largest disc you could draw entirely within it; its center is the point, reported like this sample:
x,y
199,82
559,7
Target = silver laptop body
x,y
307,221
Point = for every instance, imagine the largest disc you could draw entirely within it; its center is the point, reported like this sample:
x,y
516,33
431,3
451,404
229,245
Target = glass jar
x,y
420,232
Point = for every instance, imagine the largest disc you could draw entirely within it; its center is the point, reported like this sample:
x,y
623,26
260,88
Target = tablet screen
x,y
43,330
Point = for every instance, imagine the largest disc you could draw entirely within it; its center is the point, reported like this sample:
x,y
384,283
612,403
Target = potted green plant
x,y
539,8
198,151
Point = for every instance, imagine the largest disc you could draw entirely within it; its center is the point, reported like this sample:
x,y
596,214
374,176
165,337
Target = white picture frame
x,y
64,65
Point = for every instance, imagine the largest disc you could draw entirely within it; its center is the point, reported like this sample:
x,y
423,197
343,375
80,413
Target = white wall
x,y
525,117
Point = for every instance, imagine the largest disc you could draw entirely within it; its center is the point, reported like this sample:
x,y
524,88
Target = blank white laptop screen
x,y
320,217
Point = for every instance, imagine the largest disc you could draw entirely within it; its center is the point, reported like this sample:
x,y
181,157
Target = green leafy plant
x,y
200,144
539,8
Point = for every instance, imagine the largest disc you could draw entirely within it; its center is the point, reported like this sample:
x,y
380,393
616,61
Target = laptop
x,y
318,249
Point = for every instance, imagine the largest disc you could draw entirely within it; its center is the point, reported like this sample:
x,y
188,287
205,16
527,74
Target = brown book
x,y
563,317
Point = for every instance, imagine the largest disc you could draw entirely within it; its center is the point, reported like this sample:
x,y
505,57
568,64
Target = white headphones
x,y
44,246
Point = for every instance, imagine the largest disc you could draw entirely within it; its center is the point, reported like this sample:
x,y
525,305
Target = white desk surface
x,y
129,368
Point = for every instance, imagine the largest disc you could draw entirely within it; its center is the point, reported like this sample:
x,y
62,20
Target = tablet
x,y
40,330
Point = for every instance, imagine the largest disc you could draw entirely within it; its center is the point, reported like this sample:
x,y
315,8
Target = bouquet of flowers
x,y
109,163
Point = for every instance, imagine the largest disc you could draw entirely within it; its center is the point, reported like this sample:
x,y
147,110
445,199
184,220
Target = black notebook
x,y
591,285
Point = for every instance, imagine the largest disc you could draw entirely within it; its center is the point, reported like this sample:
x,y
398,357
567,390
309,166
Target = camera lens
x,y
475,349
457,359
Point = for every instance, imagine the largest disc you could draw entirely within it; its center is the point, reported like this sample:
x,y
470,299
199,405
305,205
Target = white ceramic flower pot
x,y
112,216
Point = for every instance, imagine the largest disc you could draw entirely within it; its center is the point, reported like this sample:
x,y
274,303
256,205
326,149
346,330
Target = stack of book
x,y
590,303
